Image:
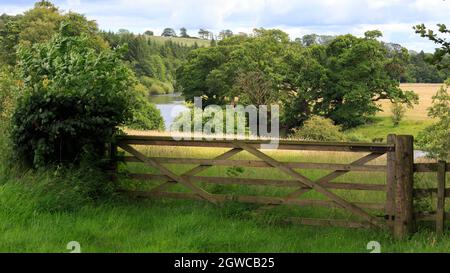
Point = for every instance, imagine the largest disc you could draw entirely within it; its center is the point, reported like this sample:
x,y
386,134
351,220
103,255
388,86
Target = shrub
x,y
319,129
156,89
74,98
398,112
435,139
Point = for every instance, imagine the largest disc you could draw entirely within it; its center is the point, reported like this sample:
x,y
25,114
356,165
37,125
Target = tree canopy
x,y
341,80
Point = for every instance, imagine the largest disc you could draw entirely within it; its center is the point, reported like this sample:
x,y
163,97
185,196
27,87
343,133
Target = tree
x,y
373,34
38,25
310,39
225,34
358,75
9,39
66,113
314,39
398,112
441,56
435,139
183,33
204,34
169,32
342,80
255,88
149,33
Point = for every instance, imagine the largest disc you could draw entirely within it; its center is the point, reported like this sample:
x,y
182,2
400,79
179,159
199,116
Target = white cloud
x,y
394,17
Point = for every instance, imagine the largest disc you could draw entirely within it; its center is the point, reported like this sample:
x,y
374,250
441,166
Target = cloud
x,y
394,17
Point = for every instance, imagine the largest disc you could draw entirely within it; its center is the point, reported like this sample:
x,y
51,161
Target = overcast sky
x,y
395,18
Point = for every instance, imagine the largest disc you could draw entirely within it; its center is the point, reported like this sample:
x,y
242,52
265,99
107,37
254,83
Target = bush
x,y
319,129
435,139
145,115
155,86
74,98
157,89
398,112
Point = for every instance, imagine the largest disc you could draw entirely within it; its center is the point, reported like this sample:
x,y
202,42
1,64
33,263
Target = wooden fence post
x,y
440,209
404,157
113,159
390,182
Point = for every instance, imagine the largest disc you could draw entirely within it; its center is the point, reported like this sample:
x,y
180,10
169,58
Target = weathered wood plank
x,y
199,169
390,181
202,193
283,144
307,182
261,182
429,216
262,164
253,199
422,193
327,222
404,156
329,177
429,167
440,208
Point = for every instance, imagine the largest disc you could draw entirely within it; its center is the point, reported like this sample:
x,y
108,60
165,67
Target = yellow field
x,y
419,112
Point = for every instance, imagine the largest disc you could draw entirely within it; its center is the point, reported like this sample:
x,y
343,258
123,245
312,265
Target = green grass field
x,y
38,216
29,221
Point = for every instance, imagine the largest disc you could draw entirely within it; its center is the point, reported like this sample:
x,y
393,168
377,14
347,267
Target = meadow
x,y
34,218
416,119
183,41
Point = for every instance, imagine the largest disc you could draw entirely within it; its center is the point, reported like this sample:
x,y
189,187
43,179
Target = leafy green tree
x,y
149,33
342,80
435,139
358,75
38,25
169,32
441,56
75,96
420,70
225,34
9,38
183,33
204,34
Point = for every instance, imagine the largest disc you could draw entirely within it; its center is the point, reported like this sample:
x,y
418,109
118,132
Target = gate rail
x,y
398,209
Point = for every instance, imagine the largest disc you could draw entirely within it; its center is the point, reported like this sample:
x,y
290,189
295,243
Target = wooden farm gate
x,y
397,210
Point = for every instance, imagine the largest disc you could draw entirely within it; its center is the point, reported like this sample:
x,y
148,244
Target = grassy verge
x,y
29,221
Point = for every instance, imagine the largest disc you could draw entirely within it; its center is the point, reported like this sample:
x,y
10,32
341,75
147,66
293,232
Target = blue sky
x,y
394,18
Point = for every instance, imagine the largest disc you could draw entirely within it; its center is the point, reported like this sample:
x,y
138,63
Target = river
x,y
170,106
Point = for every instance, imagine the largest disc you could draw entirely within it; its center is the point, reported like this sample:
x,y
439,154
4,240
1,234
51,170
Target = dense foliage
x,y
74,98
319,129
154,62
436,138
341,80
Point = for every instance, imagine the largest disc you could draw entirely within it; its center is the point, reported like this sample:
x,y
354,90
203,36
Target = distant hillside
x,y
182,41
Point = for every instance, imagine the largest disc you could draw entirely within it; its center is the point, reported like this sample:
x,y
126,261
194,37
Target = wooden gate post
x,y
390,183
440,208
404,157
113,160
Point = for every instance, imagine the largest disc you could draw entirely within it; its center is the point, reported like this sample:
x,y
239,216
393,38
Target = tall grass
x,y
41,211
